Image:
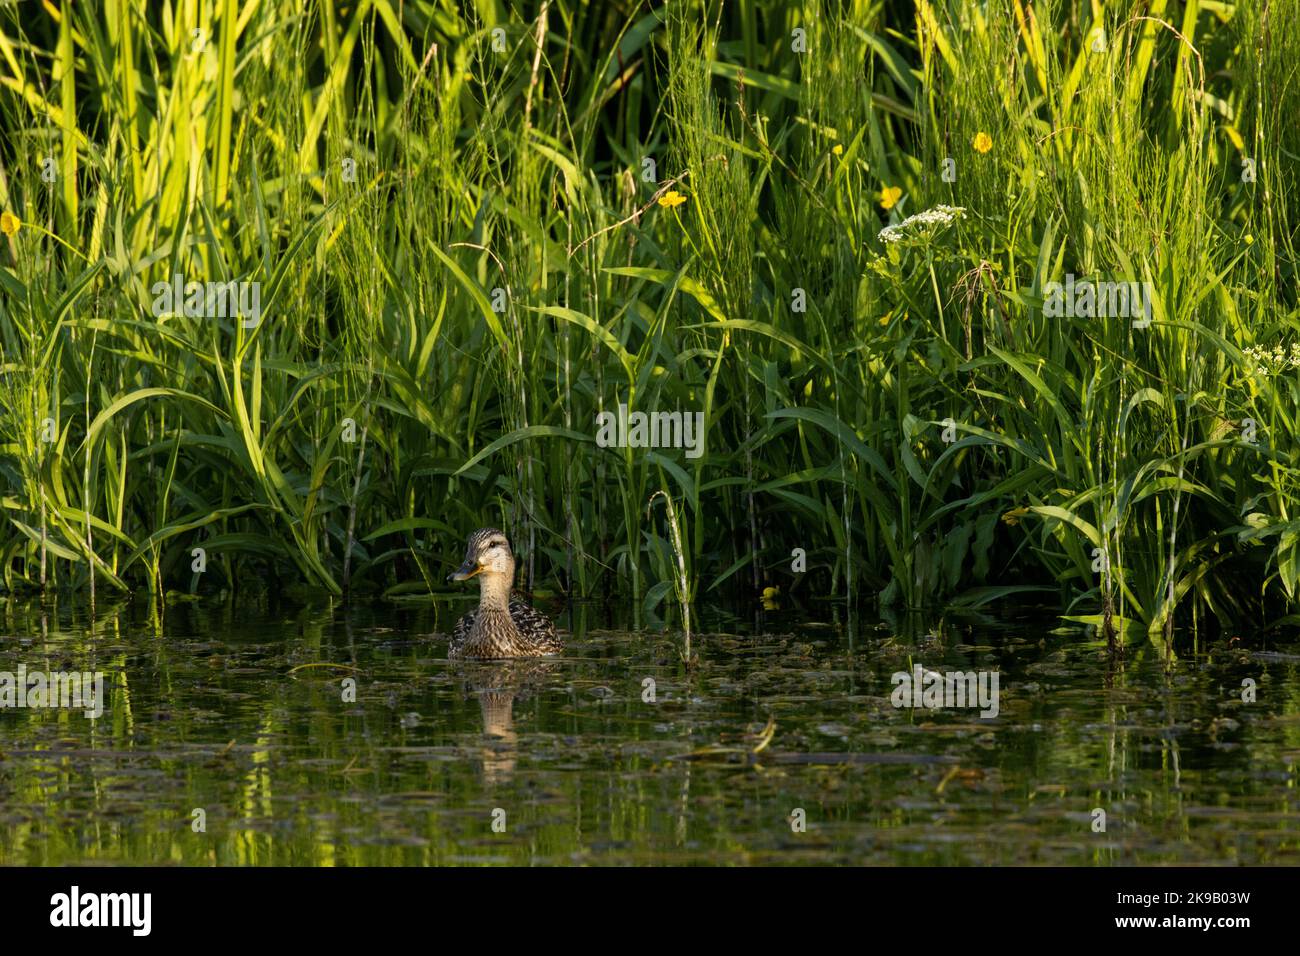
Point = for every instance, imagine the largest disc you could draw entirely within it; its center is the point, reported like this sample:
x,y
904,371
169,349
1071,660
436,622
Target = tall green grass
x,y
383,407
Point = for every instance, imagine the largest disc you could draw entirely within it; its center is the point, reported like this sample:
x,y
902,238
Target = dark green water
x,y
205,710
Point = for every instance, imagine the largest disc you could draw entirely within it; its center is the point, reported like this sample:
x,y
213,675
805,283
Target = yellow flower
x,y
889,197
671,198
983,142
1013,516
1250,240
9,223
839,148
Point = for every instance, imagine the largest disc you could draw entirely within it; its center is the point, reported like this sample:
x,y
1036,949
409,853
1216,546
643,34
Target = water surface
x,y
242,715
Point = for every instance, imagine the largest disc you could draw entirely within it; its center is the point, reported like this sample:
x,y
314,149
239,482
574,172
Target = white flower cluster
x,y
1268,362
926,222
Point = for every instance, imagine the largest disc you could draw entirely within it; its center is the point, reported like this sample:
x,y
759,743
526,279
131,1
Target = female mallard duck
x,y
499,627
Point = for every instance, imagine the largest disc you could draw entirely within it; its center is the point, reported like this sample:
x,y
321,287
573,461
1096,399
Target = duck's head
x,y
487,553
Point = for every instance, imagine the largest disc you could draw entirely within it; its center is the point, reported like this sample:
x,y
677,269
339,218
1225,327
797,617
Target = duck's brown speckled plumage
x,y
501,626
534,634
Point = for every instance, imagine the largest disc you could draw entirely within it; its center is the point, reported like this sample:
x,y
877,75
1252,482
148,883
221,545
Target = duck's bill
x,y
465,571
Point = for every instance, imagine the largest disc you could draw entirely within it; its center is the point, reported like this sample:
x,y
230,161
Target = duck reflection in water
x,y
497,686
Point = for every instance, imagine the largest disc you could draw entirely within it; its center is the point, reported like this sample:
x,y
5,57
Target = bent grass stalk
x,y
681,584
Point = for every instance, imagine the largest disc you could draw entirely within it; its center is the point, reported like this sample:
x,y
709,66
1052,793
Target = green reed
x,y
462,261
